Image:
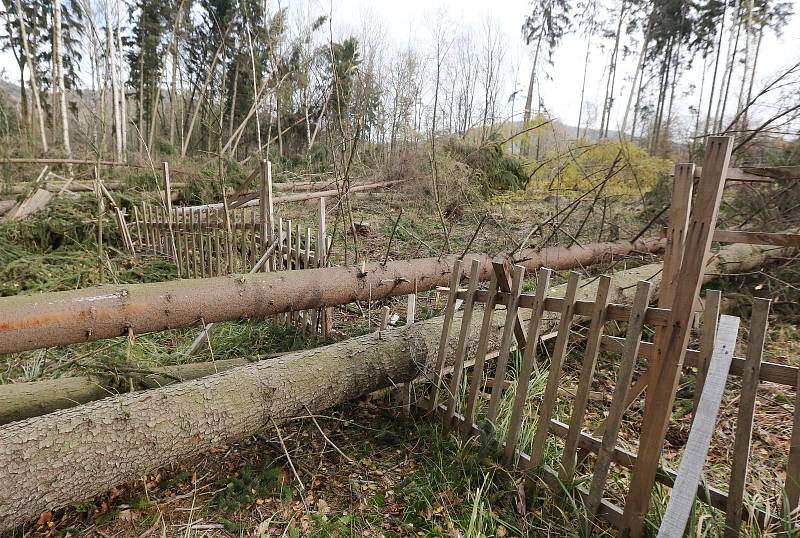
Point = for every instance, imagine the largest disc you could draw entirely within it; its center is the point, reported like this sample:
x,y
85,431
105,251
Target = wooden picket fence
x,y
465,413
690,233
208,241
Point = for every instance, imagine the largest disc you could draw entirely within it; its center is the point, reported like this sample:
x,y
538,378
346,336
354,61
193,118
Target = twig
x,y
391,237
291,464
474,235
342,454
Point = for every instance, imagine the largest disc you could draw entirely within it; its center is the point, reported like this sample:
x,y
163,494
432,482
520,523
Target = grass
x,y
406,477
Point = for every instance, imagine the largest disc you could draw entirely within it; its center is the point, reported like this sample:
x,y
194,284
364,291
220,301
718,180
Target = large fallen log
x,y
19,401
61,318
49,461
74,186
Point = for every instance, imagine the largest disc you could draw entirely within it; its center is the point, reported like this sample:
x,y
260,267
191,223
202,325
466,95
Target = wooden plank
x,y
255,229
690,471
194,248
265,206
220,256
615,312
771,372
461,347
554,374
178,244
619,400
759,320
671,350
502,273
707,338
506,341
139,237
757,238
167,187
480,352
791,488
576,420
526,369
279,265
209,243
450,309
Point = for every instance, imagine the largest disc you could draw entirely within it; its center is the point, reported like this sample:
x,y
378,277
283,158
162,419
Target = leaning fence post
x,y
265,207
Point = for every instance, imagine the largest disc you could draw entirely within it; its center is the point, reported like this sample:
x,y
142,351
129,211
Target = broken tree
x,y
61,318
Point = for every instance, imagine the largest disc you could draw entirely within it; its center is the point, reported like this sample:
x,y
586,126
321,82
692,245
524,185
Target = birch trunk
x,y
37,103
58,75
112,70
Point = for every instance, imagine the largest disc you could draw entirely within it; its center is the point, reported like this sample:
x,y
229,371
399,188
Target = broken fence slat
x,y
461,348
526,369
744,422
683,493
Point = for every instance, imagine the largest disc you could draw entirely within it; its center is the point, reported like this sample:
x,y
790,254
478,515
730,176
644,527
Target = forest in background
x,y
230,80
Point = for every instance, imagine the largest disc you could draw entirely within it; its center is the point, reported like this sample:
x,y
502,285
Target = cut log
x,y
61,318
30,205
6,205
19,401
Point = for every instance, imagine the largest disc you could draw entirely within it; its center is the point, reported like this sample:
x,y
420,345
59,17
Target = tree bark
x,y
19,401
61,318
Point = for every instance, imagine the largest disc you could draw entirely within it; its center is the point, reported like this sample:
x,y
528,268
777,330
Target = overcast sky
x,y
411,21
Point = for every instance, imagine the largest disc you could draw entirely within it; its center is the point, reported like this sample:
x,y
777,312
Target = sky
x,y
411,21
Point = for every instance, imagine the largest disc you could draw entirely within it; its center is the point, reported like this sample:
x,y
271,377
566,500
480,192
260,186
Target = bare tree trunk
x,y
173,88
206,82
23,34
716,69
123,105
115,89
96,313
58,76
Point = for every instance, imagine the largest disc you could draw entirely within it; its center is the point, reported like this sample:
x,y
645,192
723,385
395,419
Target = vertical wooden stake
x,y
455,279
671,349
576,419
759,320
265,206
405,389
505,343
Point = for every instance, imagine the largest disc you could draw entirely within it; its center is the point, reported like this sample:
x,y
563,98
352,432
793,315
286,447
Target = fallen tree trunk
x,y
25,400
50,461
19,401
100,445
61,318
74,186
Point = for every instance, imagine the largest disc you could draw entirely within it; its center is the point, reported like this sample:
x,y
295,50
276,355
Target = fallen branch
x,y
62,318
